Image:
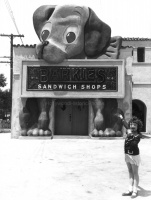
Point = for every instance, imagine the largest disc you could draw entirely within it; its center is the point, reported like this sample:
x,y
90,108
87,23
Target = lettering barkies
x,y
72,78
72,74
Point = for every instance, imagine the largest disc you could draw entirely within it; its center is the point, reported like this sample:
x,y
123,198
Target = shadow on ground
x,y
143,192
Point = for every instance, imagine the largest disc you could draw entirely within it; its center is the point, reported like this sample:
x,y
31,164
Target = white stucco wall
x,y
141,78
20,53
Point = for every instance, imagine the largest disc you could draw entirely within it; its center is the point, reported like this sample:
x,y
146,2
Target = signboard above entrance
x,y
66,78
73,78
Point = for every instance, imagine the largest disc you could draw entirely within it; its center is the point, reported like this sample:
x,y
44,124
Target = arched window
x,y
139,110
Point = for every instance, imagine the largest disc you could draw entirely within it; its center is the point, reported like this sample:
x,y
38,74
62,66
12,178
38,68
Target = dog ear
x,y
97,35
40,16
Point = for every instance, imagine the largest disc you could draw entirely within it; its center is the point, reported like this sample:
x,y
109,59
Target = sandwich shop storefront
x,y
74,98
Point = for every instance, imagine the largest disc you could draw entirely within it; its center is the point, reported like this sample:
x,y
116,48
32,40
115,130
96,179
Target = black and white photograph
x,y
75,91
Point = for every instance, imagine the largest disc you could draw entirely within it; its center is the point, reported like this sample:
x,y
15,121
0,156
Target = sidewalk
x,y
68,169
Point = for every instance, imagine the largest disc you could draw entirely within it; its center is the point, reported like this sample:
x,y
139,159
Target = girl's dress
x,y
131,149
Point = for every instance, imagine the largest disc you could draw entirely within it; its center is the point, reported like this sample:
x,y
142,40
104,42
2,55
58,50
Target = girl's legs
x,y
136,177
131,176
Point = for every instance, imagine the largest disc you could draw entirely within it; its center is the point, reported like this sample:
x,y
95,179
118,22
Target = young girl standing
x,y
132,156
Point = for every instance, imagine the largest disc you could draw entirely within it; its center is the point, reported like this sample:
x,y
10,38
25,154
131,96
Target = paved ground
x,y
68,169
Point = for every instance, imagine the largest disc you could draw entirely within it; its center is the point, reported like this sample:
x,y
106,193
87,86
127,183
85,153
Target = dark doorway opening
x,y
71,117
139,110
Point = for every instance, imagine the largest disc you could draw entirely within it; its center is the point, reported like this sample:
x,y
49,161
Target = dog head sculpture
x,y
69,32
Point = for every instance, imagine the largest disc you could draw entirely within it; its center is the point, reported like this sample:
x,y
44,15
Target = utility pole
x,y
11,36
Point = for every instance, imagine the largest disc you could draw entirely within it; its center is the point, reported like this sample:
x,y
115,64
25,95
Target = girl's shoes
x,y
134,195
127,193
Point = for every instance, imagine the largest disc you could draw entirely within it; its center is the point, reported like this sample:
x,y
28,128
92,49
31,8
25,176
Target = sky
x,y
127,18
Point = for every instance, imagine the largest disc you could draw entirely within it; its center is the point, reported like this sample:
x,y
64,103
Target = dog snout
x,y
45,43
51,51
40,48
53,54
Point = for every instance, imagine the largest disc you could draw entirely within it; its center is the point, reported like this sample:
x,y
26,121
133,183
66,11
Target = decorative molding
x,y
141,64
141,83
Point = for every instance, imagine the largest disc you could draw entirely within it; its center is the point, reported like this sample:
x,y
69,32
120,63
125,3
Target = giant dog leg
x,y
28,116
98,105
44,105
34,118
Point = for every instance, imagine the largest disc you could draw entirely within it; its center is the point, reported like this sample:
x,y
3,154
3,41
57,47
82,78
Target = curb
x,y
5,130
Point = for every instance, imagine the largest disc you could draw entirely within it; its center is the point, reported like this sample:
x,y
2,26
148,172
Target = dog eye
x,y
45,34
71,34
70,37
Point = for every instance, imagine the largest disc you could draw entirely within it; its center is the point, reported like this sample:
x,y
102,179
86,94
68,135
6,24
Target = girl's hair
x,y
137,121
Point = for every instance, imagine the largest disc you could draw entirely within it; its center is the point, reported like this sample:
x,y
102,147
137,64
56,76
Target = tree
x,y
5,102
2,80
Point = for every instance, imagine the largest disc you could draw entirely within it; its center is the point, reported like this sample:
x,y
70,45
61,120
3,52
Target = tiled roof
x,y
136,39
124,47
124,39
26,46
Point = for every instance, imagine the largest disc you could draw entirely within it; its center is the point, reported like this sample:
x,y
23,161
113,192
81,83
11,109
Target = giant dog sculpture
x,y
66,32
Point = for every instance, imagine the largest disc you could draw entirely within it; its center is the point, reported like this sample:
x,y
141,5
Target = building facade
x,y
132,96
140,50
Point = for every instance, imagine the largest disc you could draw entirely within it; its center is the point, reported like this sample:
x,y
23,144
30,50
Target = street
x,y
68,169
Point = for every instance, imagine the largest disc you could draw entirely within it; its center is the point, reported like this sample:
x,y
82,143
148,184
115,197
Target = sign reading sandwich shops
x,y
65,78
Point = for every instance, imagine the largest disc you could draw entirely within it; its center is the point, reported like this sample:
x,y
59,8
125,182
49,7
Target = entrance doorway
x,y
139,110
71,117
